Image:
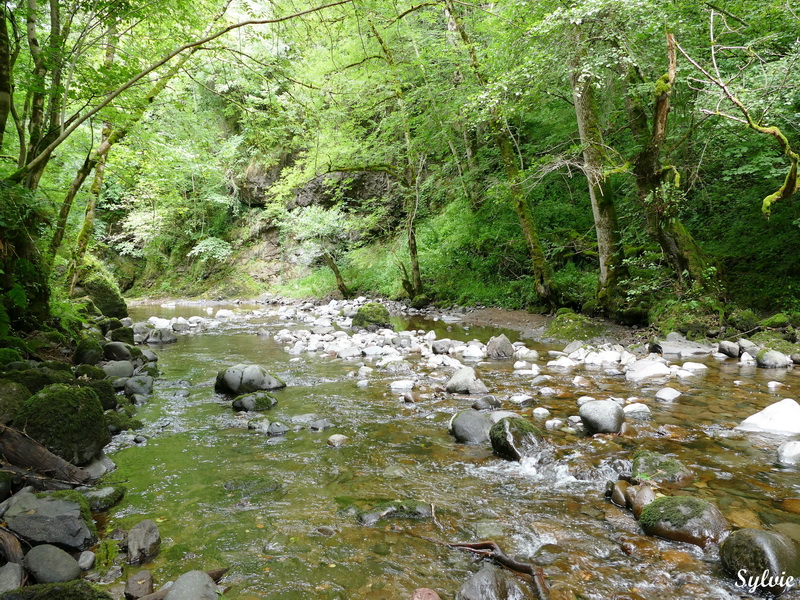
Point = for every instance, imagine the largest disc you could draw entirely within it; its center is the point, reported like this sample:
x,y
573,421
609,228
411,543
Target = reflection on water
x,y
279,511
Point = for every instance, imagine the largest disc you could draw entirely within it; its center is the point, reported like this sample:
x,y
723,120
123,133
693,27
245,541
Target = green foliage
x,y
122,421
568,325
101,287
8,355
212,248
105,555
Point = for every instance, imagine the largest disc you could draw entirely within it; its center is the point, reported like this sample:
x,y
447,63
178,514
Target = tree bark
x,y
346,293
5,74
19,450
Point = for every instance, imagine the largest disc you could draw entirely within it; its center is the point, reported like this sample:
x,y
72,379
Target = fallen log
x,y
24,452
39,482
215,574
10,547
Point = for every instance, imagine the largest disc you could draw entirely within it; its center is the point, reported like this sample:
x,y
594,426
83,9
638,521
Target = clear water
x,y
555,515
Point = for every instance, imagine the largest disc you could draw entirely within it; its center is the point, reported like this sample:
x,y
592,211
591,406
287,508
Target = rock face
x,y
653,467
465,381
243,379
68,421
499,347
49,564
194,585
471,427
143,541
48,520
602,416
492,583
781,418
753,551
514,438
684,519
255,401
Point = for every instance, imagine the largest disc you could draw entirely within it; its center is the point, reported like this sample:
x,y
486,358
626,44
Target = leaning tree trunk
x,y
345,291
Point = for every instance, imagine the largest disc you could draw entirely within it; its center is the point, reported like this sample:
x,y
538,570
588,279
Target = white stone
x,y
362,383
746,358
667,394
540,412
637,410
646,369
781,418
521,364
774,385
547,391
562,362
553,424
473,352
520,398
337,439
224,313
694,366
789,453
402,384
584,399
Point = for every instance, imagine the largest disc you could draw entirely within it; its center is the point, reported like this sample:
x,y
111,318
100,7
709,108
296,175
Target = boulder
x,y
747,346
49,564
657,468
442,346
59,518
68,421
87,352
194,585
646,368
499,347
11,577
243,379
684,519
117,351
372,316
730,349
602,416
118,368
471,426
748,553
161,335
667,394
487,402
465,381
493,583
781,418
143,542
138,585
255,401
100,286
121,334
12,397
789,453
772,359
140,385
514,438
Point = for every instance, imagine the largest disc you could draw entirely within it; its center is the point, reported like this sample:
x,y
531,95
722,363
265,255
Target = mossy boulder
x,y
122,334
684,519
38,379
244,379
514,438
16,343
105,392
751,552
67,420
568,325
87,352
395,509
372,315
89,372
255,401
12,396
656,468
9,355
778,321
55,365
120,421
742,320
98,283
72,590
102,498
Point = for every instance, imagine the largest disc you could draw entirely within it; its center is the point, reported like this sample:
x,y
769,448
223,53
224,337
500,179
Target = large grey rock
x,y
11,576
781,418
677,344
143,541
514,438
118,368
117,351
789,453
49,564
747,346
138,585
194,585
602,416
772,359
647,368
729,349
748,553
471,426
499,347
465,381
684,519
243,379
492,583
161,335
48,520
441,346
141,385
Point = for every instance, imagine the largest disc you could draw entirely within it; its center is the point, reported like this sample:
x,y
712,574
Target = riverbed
x,y
281,511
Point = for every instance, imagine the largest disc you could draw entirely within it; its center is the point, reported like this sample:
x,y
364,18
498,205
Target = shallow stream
x,y
276,510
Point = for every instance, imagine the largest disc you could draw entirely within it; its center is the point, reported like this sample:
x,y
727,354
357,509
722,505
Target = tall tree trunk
x,y
5,74
36,116
343,289
66,206
601,196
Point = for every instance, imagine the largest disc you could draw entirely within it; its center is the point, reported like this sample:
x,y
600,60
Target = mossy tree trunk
x,y
343,289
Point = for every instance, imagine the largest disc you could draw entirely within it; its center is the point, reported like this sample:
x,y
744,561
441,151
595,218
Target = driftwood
x,y
215,574
38,482
10,547
25,453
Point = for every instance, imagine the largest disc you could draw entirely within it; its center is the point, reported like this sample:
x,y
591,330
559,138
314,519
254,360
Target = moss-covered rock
x,y
105,392
12,397
684,519
742,320
38,379
89,372
120,421
514,438
372,315
568,325
9,355
255,401
104,497
68,421
73,590
778,321
656,468
55,365
16,343
77,498
395,509
122,334
88,352
97,283
752,552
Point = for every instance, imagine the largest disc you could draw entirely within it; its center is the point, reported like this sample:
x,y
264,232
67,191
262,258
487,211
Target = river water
x,y
280,511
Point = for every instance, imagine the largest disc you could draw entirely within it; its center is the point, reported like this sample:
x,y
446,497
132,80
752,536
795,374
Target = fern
x,y
17,296
5,321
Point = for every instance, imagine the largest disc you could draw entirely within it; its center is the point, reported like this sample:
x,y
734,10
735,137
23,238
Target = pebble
x,y
337,439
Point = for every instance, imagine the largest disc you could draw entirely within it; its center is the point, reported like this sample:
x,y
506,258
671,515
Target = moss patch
x,y
9,355
778,321
38,379
513,437
87,352
568,325
12,397
651,466
121,421
72,590
105,554
676,510
122,334
104,497
775,340
99,285
372,315
90,372
104,390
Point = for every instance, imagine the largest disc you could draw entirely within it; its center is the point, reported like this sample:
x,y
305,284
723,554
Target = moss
x,y
513,437
101,503
88,351
9,355
778,321
372,315
774,340
677,510
12,397
105,554
68,421
743,320
255,401
176,552
122,421
89,372
109,324
72,590
151,370
569,325
100,286
56,366
77,498
122,334
16,343
104,390
38,379
651,466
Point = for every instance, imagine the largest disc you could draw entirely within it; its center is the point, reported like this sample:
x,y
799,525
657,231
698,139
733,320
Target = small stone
x,y
86,560
541,412
602,416
618,493
747,553
139,585
194,585
337,439
789,453
553,424
143,541
636,410
11,577
425,594
667,394
49,564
